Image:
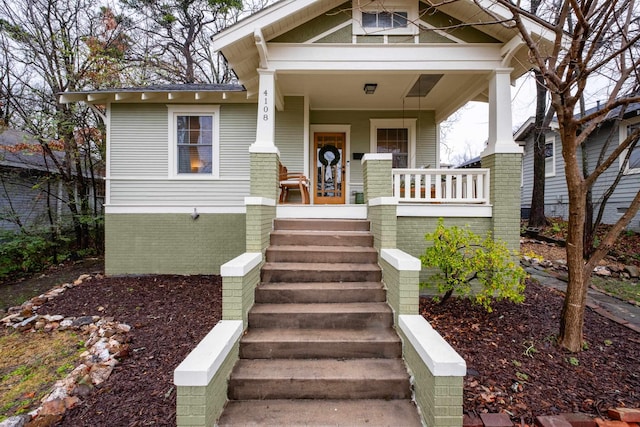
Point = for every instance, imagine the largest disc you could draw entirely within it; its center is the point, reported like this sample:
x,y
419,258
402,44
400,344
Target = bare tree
x,y
591,40
175,38
55,47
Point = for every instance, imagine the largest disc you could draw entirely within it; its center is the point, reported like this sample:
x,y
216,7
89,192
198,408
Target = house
x,y
608,135
349,94
29,188
312,75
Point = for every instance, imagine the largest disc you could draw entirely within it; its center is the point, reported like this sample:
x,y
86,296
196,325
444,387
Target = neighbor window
x,y
194,141
550,157
388,17
633,166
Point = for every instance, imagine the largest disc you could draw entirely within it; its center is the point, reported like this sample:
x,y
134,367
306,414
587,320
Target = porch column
x,y
504,158
264,154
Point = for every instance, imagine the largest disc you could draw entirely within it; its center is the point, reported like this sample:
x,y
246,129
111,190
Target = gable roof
x,y
305,65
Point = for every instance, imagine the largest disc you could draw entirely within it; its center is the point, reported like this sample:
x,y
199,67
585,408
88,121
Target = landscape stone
x,y
632,270
15,421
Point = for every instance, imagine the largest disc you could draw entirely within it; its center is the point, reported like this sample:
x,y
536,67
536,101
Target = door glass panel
x,y
329,179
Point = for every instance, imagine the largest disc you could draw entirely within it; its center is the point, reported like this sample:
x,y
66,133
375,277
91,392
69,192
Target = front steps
x,y
320,348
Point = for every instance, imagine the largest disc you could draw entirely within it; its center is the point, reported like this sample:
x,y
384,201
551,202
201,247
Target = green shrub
x,y
28,252
462,257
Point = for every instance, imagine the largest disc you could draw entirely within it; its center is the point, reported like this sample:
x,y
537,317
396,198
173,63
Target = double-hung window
x,y
395,136
193,139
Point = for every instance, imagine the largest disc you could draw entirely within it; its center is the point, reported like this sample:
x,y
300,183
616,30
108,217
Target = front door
x,y
330,150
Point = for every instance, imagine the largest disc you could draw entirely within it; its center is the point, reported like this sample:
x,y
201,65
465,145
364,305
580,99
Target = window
x,y
395,136
395,141
633,166
550,157
194,141
385,17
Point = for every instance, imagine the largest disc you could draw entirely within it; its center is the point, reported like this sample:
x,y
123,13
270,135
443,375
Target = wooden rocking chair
x,y
293,181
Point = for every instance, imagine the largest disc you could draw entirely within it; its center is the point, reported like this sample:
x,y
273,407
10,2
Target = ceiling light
x,y
370,88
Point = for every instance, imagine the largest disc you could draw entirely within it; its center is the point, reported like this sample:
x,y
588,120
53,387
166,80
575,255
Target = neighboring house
x,y
326,88
32,195
612,131
29,188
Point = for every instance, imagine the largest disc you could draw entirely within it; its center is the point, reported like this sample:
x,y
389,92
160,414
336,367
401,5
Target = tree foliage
x,y
464,257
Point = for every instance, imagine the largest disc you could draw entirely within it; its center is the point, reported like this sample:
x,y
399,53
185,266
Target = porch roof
x,y
332,75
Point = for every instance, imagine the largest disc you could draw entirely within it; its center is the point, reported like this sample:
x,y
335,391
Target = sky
x,y
469,127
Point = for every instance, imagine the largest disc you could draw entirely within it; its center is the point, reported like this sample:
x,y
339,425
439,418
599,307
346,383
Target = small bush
x,y
462,257
27,252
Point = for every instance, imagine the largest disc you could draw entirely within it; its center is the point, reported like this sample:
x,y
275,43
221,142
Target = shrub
x,y
462,257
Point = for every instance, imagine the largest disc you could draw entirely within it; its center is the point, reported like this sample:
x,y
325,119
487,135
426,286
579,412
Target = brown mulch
x,y
515,343
169,315
515,366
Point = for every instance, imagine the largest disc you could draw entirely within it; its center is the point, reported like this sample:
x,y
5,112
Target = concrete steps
x,y
320,348
316,413
320,344
320,292
319,379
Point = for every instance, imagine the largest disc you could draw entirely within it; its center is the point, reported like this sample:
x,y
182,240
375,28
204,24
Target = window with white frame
x,y
395,136
193,140
550,156
633,165
385,17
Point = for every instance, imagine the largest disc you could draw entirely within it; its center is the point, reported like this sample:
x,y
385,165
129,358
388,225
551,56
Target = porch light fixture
x,y
370,88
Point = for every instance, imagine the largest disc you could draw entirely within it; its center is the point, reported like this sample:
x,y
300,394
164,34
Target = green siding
x,y
341,35
317,26
452,26
290,133
138,143
237,133
139,155
171,243
426,146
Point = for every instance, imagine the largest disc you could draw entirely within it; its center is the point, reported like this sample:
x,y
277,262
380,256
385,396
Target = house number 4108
x,y
265,109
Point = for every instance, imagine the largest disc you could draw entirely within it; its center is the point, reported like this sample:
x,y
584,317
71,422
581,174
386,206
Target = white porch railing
x,y
441,185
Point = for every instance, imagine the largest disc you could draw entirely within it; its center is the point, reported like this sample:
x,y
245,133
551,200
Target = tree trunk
x,y
572,316
536,216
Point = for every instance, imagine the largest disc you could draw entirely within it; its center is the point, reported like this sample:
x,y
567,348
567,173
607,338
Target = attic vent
x,y
424,85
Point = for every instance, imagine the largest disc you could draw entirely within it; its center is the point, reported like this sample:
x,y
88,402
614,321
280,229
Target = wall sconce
x,y
195,215
370,88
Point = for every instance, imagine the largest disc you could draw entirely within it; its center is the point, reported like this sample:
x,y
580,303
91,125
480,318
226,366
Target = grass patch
x,y
625,290
30,364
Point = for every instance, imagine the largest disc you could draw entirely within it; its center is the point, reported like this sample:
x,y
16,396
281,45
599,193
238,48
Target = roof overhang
x,y
330,73
187,93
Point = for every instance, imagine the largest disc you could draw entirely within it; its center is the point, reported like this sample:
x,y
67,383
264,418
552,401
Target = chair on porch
x,y
293,181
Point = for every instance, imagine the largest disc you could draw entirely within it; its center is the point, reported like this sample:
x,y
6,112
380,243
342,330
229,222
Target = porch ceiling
x,y
345,91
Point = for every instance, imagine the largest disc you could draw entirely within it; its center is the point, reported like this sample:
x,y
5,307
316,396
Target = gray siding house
x,y
29,190
607,136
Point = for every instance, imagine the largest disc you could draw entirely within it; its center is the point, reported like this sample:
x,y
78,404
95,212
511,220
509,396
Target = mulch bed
x,y
511,347
514,364
169,315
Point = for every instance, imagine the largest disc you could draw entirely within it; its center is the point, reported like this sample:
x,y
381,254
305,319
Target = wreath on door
x,y
331,149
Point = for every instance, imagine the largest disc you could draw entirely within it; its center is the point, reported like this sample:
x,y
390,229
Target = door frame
x,y
311,173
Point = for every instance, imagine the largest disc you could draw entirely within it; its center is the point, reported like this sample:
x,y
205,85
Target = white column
x,y
500,124
265,129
